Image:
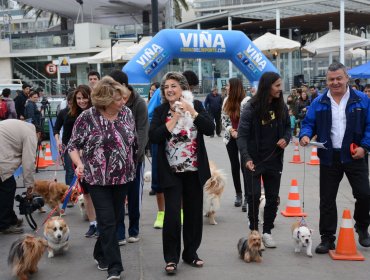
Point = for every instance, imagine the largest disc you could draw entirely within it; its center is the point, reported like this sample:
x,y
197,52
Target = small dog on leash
x,y
56,232
212,192
185,122
82,207
148,176
262,205
302,237
249,249
51,191
24,255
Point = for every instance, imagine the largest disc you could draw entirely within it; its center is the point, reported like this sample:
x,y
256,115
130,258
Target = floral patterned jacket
x,y
108,148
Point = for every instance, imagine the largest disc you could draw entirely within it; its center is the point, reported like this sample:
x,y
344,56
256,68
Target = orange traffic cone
x,y
296,157
293,208
346,246
40,161
314,158
48,157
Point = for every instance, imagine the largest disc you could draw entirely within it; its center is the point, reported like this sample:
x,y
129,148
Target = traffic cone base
x,y
48,156
293,213
354,257
346,245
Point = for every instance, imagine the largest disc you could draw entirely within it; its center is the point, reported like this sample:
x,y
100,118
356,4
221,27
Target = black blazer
x,y
158,134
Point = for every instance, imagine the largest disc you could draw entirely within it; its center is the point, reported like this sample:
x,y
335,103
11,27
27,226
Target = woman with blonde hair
x,y
106,135
230,117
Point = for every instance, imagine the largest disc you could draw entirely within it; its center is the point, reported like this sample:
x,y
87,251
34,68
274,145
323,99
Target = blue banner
x,y
189,43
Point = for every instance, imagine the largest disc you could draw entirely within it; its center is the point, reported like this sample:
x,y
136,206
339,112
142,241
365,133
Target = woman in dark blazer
x,y
183,169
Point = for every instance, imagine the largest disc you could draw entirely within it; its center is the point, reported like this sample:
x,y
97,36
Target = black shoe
x,y
91,232
244,207
324,247
219,135
152,192
101,265
363,236
114,275
238,200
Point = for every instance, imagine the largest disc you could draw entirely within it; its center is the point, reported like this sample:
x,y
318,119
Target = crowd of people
x,y
107,127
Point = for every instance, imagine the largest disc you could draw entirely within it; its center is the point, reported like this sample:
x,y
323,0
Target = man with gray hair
x,y
340,118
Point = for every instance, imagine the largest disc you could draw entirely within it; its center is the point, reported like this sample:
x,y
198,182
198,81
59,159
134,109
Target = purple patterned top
x,y
108,147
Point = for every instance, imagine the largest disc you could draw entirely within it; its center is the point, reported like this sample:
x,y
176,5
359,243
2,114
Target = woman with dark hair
x,y
263,134
80,102
183,169
302,103
230,117
152,89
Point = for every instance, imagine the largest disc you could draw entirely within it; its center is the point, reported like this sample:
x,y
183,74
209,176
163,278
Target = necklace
x,y
110,114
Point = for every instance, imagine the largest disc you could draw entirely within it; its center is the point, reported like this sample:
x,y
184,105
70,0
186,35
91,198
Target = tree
x,y
177,7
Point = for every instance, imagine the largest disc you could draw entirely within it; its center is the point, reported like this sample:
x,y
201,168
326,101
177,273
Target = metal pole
x,y
230,27
200,67
342,31
155,27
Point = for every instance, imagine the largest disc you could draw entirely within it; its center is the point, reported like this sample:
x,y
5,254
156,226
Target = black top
x,y
158,134
67,121
20,102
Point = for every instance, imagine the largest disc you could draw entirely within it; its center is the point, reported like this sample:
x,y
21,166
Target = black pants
x,y
357,173
216,117
271,180
233,152
7,193
108,202
188,188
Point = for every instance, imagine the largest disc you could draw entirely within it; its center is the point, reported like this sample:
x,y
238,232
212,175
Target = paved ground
x,y
144,260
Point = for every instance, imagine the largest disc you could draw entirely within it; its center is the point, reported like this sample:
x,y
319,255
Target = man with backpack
x,y
7,107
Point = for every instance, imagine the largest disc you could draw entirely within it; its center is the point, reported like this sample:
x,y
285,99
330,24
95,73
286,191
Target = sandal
x,y
171,268
195,262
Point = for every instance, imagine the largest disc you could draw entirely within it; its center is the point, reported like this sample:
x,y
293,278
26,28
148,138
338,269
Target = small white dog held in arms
x,y
302,237
185,122
212,192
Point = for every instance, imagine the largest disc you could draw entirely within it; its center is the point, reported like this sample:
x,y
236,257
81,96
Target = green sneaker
x,y
182,217
159,221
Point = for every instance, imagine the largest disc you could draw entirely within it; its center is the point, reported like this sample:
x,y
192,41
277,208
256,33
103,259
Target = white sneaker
x,y
133,239
122,242
268,241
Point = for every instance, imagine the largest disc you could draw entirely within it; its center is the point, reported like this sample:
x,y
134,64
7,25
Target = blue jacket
x,y
318,121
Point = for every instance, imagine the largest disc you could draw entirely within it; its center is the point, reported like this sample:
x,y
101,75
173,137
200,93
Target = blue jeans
x,y
68,168
155,186
134,197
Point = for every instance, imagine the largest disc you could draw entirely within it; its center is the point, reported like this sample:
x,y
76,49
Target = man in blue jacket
x,y
340,117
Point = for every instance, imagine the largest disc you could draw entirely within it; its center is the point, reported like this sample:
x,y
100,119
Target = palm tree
x,y
177,7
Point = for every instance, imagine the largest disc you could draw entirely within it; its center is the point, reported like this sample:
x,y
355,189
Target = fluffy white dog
x,y
302,238
148,176
82,207
185,122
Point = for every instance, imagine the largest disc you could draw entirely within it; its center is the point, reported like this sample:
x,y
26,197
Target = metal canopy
x,y
109,12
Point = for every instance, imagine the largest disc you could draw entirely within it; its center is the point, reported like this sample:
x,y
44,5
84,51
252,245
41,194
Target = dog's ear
x,y
298,234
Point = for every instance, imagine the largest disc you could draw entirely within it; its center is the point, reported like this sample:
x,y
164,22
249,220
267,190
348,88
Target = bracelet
x,y
194,115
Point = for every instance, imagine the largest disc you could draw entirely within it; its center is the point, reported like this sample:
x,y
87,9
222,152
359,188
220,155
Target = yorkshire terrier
x,y
250,248
212,191
24,255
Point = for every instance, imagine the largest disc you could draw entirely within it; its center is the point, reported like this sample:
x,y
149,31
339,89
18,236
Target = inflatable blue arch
x,y
189,43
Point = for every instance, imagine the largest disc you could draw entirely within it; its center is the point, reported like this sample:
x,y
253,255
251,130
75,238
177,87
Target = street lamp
x,y
363,29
